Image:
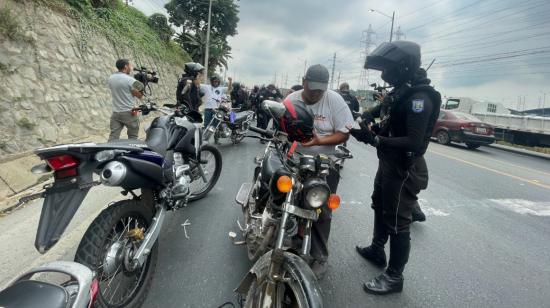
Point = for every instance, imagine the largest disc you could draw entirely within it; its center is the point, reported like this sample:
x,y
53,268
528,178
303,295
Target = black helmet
x,y
214,78
397,60
193,69
296,121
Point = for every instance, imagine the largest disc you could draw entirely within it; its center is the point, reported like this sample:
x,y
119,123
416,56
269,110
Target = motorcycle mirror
x,y
343,152
373,85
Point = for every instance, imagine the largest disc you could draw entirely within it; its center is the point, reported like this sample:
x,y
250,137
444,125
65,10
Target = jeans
x,y
208,115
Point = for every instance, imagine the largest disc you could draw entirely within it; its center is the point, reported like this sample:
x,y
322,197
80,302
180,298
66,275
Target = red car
x,y
462,127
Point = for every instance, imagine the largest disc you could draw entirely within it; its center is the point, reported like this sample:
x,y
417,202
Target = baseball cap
x,y
317,77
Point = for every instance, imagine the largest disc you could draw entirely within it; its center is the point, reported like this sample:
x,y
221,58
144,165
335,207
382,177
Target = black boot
x,y
375,252
417,214
391,281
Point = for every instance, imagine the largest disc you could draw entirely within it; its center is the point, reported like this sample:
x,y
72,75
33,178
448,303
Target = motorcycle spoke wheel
x,y
108,246
205,175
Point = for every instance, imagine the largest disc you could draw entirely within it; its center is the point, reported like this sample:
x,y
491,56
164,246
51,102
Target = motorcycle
x,y
171,168
279,207
228,123
80,291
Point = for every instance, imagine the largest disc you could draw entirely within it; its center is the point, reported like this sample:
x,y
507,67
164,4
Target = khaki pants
x,y
121,119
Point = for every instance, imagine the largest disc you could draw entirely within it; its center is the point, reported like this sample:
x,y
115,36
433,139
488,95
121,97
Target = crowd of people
x,y
407,115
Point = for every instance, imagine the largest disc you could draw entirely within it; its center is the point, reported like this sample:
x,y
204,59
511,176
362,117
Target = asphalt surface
x,y
485,242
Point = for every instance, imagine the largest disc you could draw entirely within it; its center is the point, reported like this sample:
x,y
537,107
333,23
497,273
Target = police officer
x,y
350,99
408,114
188,90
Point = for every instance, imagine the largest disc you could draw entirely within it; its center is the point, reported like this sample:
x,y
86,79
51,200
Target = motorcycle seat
x,y
34,294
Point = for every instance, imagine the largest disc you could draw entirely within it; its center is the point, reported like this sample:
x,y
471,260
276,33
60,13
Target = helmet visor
x,y
384,56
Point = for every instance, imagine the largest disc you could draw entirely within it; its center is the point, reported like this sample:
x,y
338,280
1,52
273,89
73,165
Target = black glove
x,y
367,118
364,134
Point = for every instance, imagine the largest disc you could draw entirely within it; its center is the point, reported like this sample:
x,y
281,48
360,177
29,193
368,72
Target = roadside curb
x,y
519,151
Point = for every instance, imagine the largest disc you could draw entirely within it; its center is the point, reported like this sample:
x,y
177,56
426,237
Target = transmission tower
x,y
366,43
399,33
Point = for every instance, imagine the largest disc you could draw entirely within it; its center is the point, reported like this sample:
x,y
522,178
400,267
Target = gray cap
x,y
317,77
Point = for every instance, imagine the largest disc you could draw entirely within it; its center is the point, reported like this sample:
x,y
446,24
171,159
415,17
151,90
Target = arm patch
x,y
417,105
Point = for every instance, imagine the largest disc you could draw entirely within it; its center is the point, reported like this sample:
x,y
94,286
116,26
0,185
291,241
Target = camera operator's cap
x,y
317,77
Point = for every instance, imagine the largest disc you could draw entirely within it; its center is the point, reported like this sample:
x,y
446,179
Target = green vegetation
x,y
10,26
25,123
192,16
128,29
544,150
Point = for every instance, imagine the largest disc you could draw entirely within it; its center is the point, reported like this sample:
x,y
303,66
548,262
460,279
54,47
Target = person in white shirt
x,y
332,124
213,94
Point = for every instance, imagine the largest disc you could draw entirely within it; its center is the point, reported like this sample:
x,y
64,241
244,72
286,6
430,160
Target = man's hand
x,y
313,142
364,134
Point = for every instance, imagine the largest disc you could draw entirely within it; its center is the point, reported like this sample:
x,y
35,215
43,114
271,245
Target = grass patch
x,y
544,150
125,27
10,26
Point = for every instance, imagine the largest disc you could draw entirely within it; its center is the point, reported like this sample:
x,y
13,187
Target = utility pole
x,y
392,20
275,81
332,74
207,53
286,81
399,33
338,83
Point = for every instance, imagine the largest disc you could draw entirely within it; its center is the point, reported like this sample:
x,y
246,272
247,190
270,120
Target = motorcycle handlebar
x,y
263,132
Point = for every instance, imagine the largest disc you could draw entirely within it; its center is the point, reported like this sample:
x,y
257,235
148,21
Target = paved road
x,y
485,242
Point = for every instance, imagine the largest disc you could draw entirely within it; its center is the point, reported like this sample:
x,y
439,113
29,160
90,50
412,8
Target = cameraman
x,y
124,90
350,99
189,86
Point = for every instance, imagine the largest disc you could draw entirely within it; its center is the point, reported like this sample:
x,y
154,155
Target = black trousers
x,y
396,187
263,119
320,230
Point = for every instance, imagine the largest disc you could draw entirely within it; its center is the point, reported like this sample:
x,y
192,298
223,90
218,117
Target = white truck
x,y
527,130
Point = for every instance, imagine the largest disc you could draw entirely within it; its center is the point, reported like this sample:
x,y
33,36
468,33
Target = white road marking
x,y
524,207
430,211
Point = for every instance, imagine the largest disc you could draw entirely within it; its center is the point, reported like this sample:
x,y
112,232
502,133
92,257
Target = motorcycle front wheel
x,y
288,294
205,174
107,248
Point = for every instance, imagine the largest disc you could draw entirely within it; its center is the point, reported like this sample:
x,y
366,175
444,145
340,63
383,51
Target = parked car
x,y
454,126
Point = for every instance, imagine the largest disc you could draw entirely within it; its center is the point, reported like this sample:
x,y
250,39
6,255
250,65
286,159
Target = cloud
x,y
276,37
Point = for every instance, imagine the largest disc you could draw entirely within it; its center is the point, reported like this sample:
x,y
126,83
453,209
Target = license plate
x,y
481,130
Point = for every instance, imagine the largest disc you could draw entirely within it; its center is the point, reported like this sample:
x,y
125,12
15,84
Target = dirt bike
x,y
171,168
228,123
286,196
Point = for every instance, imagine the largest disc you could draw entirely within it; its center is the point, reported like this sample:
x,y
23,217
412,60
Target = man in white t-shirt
x,y
213,94
333,121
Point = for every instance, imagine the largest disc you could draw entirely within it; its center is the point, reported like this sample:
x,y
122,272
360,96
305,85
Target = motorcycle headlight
x,y
316,193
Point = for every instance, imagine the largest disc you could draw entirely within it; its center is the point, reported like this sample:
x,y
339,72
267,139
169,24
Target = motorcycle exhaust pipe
x,y
116,173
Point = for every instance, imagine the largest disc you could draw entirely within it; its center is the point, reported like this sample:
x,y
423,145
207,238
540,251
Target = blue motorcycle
x,y
171,168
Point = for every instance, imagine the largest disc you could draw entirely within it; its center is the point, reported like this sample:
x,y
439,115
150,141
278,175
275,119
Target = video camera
x,y
379,90
145,76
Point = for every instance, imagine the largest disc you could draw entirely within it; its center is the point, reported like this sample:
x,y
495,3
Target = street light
x,y
392,17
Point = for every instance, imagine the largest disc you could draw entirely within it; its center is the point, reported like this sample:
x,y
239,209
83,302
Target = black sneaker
x,y
385,283
319,268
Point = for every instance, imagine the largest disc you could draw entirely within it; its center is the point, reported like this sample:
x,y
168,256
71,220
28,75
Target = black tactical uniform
x,y
187,92
408,115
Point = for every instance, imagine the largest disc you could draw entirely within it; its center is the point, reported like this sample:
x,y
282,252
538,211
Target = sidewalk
x,y
519,151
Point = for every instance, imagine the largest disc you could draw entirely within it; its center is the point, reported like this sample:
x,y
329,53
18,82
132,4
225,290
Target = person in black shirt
x,y
350,99
407,116
268,93
188,89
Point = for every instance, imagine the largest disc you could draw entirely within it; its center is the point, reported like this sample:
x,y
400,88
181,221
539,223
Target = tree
x,y
159,23
192,16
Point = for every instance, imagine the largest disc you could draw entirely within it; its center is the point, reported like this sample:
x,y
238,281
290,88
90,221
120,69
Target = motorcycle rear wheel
x,y
208,153
109,229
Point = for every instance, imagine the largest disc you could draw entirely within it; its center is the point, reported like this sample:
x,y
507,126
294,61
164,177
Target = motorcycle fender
x,y
57,212
294,263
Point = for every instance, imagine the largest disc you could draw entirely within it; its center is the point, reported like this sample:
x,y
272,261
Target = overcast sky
x,y
495,50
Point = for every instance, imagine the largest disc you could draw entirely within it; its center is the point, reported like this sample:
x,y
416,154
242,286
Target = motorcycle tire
x,y
98,240
217,172
293,292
